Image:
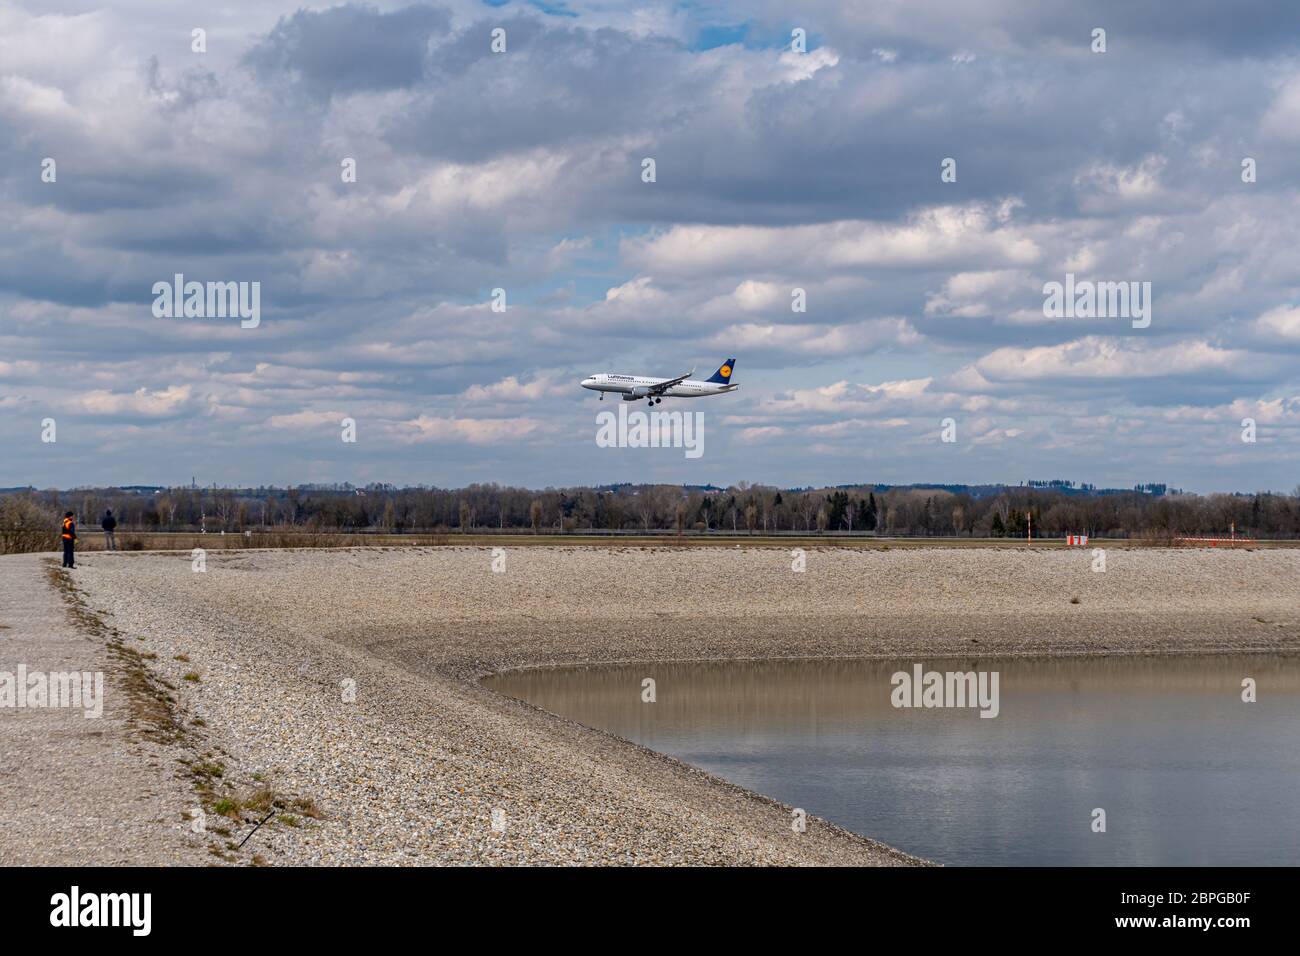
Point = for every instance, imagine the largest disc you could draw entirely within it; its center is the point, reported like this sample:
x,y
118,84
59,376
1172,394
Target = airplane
x,y
633,388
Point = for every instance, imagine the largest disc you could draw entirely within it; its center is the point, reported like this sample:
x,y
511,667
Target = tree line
x,y
744,508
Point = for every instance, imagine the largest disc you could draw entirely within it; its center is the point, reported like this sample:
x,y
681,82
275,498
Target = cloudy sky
x,y
775,170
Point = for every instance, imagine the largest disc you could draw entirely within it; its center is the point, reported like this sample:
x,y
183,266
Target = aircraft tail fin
x,y
723,375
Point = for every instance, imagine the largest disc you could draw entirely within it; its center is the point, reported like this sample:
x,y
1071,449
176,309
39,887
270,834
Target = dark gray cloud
x,y
348,49
1150,28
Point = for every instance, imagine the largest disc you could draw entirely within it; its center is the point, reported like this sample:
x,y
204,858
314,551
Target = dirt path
x,y
78,790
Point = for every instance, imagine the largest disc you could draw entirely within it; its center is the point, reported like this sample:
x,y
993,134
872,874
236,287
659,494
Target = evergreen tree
x,y
838,504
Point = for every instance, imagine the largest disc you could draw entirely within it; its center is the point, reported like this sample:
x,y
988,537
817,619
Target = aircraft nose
x,y
588,382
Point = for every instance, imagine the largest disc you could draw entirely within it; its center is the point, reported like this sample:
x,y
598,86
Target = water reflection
x,y
1187,773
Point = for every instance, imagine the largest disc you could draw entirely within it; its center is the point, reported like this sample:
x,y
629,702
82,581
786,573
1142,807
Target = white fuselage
x,y
639,386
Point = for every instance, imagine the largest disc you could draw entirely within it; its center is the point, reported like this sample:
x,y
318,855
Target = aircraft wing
x,y
660,387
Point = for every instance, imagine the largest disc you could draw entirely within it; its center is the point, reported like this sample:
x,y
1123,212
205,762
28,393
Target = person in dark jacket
x,y
69,537
108,524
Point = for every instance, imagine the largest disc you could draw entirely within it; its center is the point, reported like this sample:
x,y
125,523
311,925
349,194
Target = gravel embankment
x,y
413,768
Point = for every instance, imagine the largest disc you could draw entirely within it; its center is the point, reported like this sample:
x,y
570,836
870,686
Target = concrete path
x,y
79,790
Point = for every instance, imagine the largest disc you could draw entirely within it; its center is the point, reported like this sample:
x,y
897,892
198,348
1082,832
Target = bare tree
x,y
225,505
807,507
646,506
26,527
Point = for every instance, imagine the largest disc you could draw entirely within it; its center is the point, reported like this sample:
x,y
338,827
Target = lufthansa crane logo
x,y
724,371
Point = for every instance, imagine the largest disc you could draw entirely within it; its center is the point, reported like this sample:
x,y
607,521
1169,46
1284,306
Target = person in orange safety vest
x,y
69,537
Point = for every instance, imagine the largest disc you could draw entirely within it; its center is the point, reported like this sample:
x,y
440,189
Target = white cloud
x,y
930,237
1101,358
1282,322
510,389
143,402
476,431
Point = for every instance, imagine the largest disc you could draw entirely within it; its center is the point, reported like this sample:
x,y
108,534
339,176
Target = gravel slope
x,y
412,770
